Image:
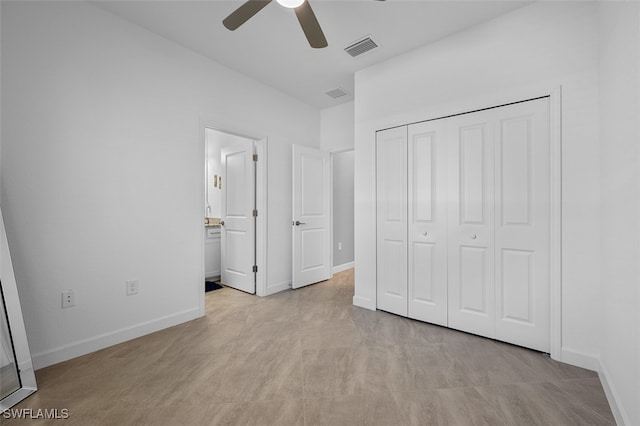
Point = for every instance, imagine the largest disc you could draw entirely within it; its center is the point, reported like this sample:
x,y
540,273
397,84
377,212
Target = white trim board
x,y
93,344
580,359
342,267
619,414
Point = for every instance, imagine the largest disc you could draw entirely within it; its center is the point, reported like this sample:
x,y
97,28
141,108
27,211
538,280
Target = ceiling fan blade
x,y
310,25
244,13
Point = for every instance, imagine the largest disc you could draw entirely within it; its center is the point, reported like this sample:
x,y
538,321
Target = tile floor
x,y
308,357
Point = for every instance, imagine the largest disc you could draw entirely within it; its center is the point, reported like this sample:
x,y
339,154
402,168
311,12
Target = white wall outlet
x,y
339,246
68,299
132,287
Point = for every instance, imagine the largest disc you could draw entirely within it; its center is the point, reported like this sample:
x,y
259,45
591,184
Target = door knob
x,y
298,223
222,223
425,233
474,236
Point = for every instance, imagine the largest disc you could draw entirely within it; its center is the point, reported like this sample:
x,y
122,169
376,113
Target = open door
x,y
238,223
311,216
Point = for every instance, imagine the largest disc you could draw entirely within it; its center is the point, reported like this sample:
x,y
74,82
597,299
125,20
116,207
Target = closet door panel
x,y
471,211
427,227
522,225
391,206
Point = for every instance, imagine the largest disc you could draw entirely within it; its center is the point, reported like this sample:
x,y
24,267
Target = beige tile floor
x,y
308,357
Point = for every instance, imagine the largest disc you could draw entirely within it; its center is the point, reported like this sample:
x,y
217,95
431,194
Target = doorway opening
x,y
234,209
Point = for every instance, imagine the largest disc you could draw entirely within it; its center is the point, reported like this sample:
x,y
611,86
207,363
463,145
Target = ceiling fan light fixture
x,y
291,4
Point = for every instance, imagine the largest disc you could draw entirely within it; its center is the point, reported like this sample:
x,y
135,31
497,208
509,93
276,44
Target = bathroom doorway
x,y
234,210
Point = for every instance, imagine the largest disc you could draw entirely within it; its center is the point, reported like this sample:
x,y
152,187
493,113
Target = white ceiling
x,y
272,48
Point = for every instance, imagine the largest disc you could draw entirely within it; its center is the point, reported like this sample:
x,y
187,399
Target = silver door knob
x,y
425,233
298,223
474,236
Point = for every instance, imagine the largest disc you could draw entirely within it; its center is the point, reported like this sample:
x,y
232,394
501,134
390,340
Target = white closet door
x,y
391,181
471,224
427,227
522,224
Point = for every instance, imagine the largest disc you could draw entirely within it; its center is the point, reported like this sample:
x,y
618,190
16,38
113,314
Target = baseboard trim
x,y
277,288
342,267
364,303
619,414
594,362
580,359
92,344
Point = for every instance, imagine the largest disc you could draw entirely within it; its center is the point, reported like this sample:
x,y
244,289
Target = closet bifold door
x,y
522,227
427,222
471,288
391,217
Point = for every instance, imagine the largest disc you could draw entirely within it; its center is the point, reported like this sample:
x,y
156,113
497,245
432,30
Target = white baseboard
x,y
92,344
364,303
342,267
593,362
580,359
276,288
619,413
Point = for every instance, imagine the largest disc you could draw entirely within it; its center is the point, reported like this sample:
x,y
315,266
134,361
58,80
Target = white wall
x,y
336,127
337,136
102,149
342,170
527,52
620,171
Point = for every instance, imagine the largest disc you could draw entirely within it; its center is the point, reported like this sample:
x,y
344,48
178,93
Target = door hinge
x,y
255,213
255,157
255,268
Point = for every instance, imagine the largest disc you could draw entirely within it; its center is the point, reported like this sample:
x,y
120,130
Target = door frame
x,y
332,153
555,157
261,203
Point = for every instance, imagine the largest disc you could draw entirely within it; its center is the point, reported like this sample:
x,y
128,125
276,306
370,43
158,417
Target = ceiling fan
x,y
303,11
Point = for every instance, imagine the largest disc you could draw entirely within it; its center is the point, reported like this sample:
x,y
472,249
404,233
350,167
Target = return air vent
x,y
360,47
338,92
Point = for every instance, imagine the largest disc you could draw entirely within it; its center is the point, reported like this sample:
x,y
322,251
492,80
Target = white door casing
x,y
311,216
237,235
391,209
427,222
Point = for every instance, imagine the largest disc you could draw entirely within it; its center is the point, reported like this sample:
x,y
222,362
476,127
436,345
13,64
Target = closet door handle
x,y
298,223
425,233
474,236
222,223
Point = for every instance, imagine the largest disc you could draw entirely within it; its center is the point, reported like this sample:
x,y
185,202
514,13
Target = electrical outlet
x,y
132,287
339,246
68,299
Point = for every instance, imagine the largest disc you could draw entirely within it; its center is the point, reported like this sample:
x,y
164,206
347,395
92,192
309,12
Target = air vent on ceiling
x,y
338,92
361,46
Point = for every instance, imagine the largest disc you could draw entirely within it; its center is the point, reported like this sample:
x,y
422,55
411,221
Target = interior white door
x,y
391,209
427,226
522,228
311,216
471,224
237,233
